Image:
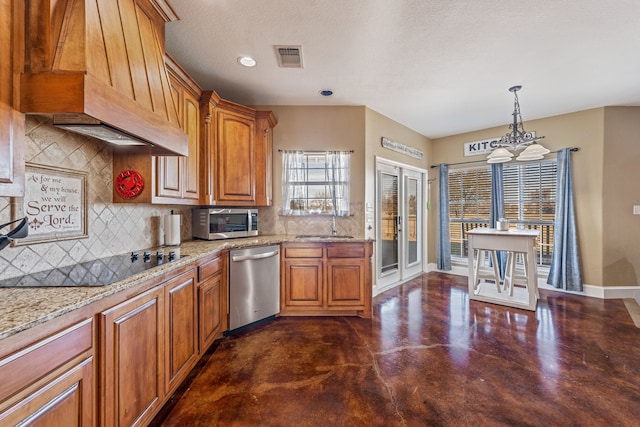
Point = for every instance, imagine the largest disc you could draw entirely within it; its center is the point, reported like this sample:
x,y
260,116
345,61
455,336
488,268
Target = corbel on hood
x,y
101,63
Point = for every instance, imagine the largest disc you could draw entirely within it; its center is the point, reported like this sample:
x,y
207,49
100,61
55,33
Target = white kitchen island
x,y
519,291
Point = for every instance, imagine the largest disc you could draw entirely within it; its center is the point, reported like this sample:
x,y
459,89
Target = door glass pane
x,y
411,225
388,222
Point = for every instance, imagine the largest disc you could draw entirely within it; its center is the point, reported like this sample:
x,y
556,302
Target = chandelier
x,y
517,139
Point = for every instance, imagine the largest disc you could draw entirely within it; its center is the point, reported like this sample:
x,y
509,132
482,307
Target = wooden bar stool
x,y
484,273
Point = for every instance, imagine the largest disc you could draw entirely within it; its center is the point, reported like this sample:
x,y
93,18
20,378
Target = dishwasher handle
x,y
237,258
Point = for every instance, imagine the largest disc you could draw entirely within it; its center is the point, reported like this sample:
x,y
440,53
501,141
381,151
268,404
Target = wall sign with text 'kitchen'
x,y
484,146
401,148
55,204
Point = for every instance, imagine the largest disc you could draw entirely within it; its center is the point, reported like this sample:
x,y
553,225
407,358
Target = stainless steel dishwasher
x,y
254,284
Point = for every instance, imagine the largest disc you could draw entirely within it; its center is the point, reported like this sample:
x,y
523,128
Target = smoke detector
x,y
289,56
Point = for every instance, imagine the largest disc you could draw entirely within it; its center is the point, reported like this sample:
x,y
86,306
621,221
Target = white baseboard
x,y
593,291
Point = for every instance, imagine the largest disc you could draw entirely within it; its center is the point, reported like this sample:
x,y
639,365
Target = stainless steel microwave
x,y
217,223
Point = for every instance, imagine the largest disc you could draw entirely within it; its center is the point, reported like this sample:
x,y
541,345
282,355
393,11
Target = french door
x,y
399,225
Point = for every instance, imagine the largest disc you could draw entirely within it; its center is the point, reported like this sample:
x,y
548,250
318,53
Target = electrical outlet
x,y
636,209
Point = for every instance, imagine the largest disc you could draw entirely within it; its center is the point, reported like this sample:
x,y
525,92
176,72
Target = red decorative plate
x,y
129,184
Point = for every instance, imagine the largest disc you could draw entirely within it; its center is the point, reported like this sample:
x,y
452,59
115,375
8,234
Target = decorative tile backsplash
x,y
119,228
273,223
112,228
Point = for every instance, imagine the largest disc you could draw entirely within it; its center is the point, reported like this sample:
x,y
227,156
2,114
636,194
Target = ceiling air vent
x,y
289,56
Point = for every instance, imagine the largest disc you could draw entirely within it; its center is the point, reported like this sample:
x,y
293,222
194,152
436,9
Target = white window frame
x,y
303,200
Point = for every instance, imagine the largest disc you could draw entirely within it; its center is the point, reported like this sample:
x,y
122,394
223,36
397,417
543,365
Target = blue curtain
x,y
565,263
444,245
497,209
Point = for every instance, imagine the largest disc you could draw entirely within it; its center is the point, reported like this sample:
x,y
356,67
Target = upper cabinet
x,y
168,179
265,122
237,143
177,177
12,137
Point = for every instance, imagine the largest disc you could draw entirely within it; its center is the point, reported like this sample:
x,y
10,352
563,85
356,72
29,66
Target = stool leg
x,y
496,271
479,262
509,274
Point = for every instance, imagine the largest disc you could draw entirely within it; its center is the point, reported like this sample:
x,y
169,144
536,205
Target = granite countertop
x,y
23,308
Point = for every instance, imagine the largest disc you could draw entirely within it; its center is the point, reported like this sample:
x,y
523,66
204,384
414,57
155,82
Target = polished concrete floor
x,y
429,357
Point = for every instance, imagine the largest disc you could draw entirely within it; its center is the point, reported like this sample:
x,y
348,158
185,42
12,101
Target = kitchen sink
x,y
322,236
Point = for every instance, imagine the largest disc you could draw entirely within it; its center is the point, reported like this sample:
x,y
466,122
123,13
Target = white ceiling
x,y
440,67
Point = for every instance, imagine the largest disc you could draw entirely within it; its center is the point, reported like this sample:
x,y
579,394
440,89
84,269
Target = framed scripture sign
x,y
55,204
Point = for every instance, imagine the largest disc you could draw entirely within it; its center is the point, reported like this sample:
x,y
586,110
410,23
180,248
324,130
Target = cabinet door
x,y
169,170
50,382
265,120
346,283
177,177
303,283
180,329
212,310
12,131
133,356
236,158
191,125
63,402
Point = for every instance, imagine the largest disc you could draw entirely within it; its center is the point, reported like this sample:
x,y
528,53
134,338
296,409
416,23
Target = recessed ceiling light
x,y
247,61
326,92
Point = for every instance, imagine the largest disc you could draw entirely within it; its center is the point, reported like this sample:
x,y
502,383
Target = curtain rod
x,y
573,149
313,151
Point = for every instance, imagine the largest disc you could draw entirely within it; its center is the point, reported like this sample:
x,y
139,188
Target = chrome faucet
x,y
333,226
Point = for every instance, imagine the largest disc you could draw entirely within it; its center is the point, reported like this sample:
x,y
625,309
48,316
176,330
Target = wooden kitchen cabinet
x,y
12,131
132,355
177,177
149,346
236,157
265,122
238,147
326,279
303,278
212,299
181,328
346,274
169,179
50,382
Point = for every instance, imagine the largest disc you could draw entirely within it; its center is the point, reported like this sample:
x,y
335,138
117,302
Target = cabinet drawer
x,y
346,250
303,252
210,268
23,368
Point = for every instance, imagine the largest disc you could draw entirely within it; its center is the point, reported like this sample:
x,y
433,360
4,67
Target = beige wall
x,y
620,228
584,129
317,128
378,126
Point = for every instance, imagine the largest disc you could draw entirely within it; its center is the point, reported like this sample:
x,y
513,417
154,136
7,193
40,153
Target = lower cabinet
x,y
303,279
212,299
132,359
346,283
153,340
181,328
50,382
326,279
149,347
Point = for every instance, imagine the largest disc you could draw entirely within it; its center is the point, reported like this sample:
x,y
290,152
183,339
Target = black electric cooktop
x,y
100,272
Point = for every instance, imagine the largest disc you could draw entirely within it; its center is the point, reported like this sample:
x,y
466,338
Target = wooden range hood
x,y
101,61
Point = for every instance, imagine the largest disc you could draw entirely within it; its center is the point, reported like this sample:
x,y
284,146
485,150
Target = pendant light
x,y
517,139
